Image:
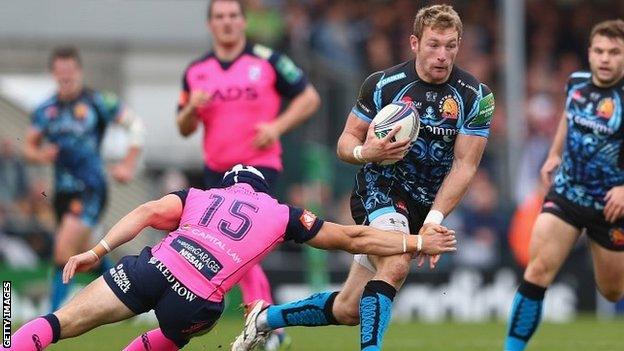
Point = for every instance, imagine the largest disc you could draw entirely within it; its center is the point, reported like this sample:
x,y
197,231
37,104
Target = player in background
x,y
587,191
216,235
66,131
235,91
425,185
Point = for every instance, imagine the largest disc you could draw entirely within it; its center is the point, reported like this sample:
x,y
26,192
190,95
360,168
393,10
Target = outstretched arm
x,y
163,214
434,239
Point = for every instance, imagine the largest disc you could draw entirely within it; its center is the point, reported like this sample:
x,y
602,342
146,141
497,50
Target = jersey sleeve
x,y
182,194
480,116
290,79
365,107
303,225
109,105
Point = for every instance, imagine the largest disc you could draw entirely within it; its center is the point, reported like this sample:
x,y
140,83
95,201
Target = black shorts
x,y
370,201
143,283
608,235
88,205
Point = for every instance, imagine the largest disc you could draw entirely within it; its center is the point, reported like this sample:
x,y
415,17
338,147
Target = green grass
x,y
584,334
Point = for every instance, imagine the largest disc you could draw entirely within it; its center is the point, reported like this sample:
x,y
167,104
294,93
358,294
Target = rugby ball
x,y
394,114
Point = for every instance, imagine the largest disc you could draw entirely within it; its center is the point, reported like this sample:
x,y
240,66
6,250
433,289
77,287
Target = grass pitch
x,y
584,334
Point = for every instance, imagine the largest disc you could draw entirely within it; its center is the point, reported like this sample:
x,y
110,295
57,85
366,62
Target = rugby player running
x,y
66,131
424,185
587,190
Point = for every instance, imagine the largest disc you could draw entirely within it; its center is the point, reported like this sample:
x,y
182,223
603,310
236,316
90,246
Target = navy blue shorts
x,y
143,283
88,205
370,200
608,235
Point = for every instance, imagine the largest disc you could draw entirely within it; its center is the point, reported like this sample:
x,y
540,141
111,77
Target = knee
x,y
539,272
612,293
394,272
346,313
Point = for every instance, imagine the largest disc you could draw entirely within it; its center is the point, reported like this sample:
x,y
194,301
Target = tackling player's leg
x,y
93,306
551,242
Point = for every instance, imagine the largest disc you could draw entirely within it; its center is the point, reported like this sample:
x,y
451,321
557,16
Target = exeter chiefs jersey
x,y
462,105
77,128
592,155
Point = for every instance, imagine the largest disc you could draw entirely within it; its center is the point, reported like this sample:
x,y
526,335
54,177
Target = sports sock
x,y
375,313
313,311
255,286
37,334
59,290
526,314
153,340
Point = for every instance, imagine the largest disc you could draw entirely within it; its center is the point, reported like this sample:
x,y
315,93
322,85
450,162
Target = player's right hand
x,y
79,263
198,98
377,150
48,153
437,239
548,169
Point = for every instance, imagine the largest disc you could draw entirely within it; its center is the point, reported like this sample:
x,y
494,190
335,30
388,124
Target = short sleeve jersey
x,y
77,128
225,231
243,93
592,159
462,105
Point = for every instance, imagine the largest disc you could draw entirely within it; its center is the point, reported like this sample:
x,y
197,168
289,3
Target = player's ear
x,y
414,43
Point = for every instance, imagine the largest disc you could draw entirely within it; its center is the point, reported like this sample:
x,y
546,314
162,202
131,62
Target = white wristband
x,y
94,254
105,244
434,216
357,153
404,242
419,243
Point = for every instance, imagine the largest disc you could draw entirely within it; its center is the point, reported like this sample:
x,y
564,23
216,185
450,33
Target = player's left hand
x,y
122,172
266,135
79,263
614,208
433,260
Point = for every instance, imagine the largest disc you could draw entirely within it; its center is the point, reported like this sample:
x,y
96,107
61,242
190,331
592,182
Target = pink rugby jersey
x,y
225,231
243,93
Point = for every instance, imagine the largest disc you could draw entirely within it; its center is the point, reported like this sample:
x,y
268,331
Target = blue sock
x,y
313,311
526,314
59,290
375,313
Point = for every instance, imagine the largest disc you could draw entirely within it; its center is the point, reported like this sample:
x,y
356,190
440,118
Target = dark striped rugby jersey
x,y
462,105
592,156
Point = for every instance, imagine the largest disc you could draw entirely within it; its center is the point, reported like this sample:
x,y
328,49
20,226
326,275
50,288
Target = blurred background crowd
x,y
338,43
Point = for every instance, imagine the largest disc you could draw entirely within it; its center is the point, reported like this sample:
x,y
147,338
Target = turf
x,y
584,334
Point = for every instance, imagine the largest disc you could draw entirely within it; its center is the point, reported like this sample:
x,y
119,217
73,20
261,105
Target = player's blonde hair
x,y
437,17
613,29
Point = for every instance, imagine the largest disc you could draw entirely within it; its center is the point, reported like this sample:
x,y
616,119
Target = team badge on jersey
x,y
605,108
449,108
254,73
307,219
80,110
431,96
617,236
